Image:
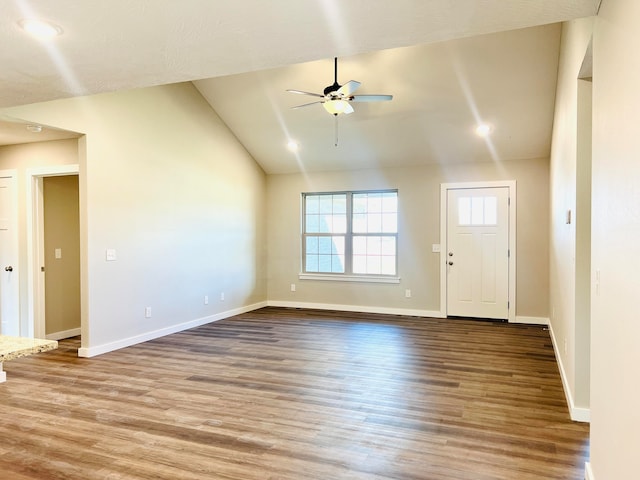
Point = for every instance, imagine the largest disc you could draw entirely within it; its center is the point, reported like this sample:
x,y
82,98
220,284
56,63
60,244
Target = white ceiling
x,y
123,44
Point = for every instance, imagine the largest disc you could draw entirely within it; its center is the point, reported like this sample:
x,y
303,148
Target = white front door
x,y
9,285
477,252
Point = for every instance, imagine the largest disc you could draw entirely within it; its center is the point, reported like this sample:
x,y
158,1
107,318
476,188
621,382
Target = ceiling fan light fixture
x,y
293,145
336,107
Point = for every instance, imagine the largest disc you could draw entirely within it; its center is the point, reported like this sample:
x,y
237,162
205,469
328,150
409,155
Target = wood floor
x,y
297,394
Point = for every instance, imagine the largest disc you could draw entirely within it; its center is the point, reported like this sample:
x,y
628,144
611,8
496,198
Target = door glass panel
x,y
464,211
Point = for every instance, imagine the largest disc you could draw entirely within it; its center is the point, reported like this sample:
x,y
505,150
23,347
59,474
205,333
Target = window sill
x,y
348,278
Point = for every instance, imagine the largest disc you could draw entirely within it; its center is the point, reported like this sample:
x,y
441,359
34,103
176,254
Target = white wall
x,y
419,228
568,331
165,184
615,380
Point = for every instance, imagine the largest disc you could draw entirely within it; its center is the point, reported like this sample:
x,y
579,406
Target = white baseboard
x,y
588,473
532,320
127,342
357,308
578,414
74,332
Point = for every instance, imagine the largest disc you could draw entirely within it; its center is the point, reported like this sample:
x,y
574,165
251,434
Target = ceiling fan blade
x,y
348,88
348,109
307,104
370,98
301,92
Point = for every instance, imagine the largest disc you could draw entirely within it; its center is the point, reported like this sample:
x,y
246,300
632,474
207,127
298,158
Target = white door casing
x,y
9,272
478,250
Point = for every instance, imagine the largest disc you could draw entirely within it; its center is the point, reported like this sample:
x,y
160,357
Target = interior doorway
x,y
61,268
53,236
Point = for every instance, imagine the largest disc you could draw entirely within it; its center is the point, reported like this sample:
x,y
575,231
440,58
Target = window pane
x,y
311,263
359,223
374,223
389,223
326,204
338,245
374,245
374,203
359,264
359,245
312,204
477,211
464,211
324,224
340,204
373,265
390,202
359,202
388,265
339,224
490,211
388,246
324,263
312,245
337,265
312,224
324,245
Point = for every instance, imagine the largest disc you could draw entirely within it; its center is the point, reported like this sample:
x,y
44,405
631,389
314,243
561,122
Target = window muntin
x,y
350,233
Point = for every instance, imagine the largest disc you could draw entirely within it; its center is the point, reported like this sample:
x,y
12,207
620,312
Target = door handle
x,y
8,269
450,263
451,254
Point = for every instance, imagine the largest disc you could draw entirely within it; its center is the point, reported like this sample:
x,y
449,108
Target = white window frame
x,y
348,276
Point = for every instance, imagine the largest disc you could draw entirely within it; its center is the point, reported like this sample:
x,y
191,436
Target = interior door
x,y
9,285
477,253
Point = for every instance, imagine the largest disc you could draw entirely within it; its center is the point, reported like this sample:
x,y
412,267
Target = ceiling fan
x,y
336,98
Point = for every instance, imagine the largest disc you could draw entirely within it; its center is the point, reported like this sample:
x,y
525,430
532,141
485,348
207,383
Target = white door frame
x,y
35,243
444,188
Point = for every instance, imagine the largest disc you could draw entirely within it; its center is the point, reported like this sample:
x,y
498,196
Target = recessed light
x,y
34,128
40,29
483,130
293,146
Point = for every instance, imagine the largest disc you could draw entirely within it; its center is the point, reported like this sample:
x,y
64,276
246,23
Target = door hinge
x,y
508,253
508,305
509,201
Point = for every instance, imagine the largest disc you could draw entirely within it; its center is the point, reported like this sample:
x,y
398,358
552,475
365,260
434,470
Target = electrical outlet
x,y
206,299
222,296
147,312
293,287
407,293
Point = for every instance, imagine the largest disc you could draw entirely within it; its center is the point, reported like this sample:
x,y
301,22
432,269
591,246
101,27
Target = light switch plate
x,y
58,253
435,248
111,255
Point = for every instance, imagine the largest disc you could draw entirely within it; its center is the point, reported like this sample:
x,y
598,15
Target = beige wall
x,y
615,355
62,272
419,228
567,260
21,158
165,184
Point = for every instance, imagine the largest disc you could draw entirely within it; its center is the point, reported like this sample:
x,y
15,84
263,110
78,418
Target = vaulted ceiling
x,y
449,65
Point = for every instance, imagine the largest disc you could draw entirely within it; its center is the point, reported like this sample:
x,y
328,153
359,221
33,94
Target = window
x,y
477,211
350,233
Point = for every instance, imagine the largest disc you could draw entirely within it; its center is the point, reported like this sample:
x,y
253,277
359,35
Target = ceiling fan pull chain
x,y
336,129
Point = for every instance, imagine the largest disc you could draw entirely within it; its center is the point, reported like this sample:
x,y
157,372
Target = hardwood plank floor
x,y
297,394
